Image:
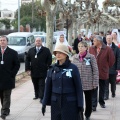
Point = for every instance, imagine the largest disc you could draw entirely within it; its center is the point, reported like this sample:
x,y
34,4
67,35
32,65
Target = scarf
x,y
81,56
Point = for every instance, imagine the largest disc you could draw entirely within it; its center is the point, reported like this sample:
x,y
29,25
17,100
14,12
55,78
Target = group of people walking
x,y
61,85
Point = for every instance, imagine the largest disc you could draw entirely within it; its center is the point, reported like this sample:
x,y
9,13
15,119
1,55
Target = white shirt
x,y
109,45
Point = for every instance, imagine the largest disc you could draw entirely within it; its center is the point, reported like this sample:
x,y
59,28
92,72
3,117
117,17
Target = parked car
x,y
21,42
39,33
43,37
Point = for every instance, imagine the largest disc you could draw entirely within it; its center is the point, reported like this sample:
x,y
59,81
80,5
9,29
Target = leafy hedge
x,y
6,32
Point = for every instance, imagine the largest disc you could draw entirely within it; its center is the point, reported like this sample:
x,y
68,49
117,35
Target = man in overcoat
x,y
105,59
37,62
113,70
9,66
76,41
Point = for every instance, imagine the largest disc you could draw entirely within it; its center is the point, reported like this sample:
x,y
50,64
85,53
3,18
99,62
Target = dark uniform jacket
x,y
76,41
9,69
116,65
104,40
39,65
63,91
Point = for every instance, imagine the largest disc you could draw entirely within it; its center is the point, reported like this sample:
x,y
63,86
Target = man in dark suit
x,y
37,62
76,41
113,69
9,66
103,37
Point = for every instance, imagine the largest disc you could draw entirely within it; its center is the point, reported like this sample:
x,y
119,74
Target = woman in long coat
x,y
88,69
63,90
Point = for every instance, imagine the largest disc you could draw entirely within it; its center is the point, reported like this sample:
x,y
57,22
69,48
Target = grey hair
x,y
98,37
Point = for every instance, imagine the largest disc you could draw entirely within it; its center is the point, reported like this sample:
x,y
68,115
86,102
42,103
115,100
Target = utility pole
x,y
18,15
32,13
0,5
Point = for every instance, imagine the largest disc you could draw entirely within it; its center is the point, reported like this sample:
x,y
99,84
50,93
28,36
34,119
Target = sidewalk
x,y
23,107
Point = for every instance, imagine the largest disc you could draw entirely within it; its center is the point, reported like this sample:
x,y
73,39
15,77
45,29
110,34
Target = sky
x,y
13,4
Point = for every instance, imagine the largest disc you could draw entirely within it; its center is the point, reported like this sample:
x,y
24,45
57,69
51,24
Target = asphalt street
x,y
22,68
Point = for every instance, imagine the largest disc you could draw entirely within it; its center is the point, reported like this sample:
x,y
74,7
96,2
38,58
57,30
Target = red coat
x,y
105,60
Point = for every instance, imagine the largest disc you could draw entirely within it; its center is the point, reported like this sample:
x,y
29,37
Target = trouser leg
x,y
106,95
36,86
6,100
1,96
94,97
101,91
113,83
88,102
41,87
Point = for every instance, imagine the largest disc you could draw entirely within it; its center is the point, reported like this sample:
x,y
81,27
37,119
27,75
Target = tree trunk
x,y
92,28
87,29
75,29
61,17
97,27
49,30
100,27
105,29
70,29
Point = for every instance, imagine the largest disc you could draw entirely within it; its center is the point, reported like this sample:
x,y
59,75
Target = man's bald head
x,y
38,42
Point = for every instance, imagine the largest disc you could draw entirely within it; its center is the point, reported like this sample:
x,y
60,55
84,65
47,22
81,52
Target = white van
x,y
21,42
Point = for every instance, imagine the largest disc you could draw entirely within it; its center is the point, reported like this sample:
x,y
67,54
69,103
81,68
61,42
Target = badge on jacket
x,y
68,72
87,61
2,62
35,56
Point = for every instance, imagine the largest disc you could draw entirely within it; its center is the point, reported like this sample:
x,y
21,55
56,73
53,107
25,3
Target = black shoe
x,y
3,117
7,114
106,98
35,98
113,96
102,105
93,108
87,118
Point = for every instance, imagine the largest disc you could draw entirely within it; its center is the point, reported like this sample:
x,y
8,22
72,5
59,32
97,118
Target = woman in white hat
x,y
62,40
63,90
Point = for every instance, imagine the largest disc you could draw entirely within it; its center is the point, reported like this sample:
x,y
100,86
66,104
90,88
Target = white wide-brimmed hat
x,y
62,48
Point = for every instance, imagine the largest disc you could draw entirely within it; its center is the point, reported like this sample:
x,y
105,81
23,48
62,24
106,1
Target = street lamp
x,y
18,15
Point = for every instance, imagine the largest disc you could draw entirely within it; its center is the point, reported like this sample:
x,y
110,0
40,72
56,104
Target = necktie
x,y
2,51
37,50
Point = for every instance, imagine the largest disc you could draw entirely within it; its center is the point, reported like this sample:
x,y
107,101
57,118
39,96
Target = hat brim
x,y
59,50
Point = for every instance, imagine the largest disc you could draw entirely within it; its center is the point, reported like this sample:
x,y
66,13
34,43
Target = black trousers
x,y
88,102
101,93
112,81
5,96
39,85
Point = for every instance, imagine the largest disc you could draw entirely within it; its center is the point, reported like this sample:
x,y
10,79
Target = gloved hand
x,y
43,109
80,110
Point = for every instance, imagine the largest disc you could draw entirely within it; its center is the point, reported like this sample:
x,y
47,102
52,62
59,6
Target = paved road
x,y
22,68
23,107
